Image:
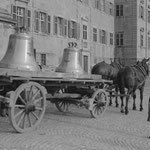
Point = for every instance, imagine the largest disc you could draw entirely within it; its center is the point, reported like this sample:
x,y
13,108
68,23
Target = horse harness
x,y
142,70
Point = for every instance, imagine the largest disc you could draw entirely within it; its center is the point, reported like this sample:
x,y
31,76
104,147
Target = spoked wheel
x,y
99,103
62,105
28,107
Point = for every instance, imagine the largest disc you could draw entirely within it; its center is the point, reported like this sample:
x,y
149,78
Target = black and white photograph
x,y
74,74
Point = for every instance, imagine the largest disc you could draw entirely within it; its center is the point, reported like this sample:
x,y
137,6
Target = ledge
x,y
6,17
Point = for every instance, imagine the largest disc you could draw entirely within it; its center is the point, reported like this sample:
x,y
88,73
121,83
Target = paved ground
x,y
76,130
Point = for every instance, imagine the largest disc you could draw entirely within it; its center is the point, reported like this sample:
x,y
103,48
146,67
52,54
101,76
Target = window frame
x,y
94,34
43,59
119,39
111,36
119,10
85,32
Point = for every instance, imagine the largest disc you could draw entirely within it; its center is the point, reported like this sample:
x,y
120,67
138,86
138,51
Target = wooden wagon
x,y
24,93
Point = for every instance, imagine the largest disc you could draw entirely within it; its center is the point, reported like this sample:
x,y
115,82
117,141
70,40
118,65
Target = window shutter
x,y
64,27
106,37
36,22
49,24
29,20
55,25
100,35
14,11
69,28
78,30
46,23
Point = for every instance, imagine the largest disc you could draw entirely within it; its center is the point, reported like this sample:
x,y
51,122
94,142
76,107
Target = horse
x,y
108,71
132,78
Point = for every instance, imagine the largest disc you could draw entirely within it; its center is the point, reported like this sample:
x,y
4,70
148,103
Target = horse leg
x,y
141,98
110,101
122,92
134,98
116,99
127,100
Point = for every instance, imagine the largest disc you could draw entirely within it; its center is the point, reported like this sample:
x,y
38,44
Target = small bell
x,y
70,62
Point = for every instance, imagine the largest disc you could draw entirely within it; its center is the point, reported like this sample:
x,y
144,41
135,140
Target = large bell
x,y
19,54
70,62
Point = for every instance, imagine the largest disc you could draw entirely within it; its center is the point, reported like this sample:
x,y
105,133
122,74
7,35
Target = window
x,y
119,39
72,29
97,4
94,34
141,11
85,62
49,24
22,15
103,36
43,59
42,22
36,21
55,25
111,9
111,38
29,20
84,32
119,10
60,26
65,27
148,16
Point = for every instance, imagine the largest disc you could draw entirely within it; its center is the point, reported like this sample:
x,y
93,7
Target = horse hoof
x,y
122,111
134,108
117,105
126,112
141,109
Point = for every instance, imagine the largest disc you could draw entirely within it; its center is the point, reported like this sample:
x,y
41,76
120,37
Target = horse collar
x,y
142,69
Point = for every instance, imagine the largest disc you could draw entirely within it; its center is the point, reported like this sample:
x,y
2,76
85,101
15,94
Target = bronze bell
x,y
19,54
70,62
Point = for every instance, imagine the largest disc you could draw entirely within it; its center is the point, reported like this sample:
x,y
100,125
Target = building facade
x,y
54,23
132,30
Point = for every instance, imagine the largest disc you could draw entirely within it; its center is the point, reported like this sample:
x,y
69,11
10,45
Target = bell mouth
x,y
19,67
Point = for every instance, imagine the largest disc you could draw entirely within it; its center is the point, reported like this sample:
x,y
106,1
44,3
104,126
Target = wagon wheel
x,y
99,103
62,105
28,106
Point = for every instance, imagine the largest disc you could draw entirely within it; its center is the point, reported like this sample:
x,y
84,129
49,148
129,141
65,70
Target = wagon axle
x,y
29,107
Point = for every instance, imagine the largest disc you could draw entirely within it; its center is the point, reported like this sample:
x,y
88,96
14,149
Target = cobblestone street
x,y
76,130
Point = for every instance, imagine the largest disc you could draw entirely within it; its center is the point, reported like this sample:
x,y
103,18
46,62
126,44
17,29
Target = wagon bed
x,y
24,93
